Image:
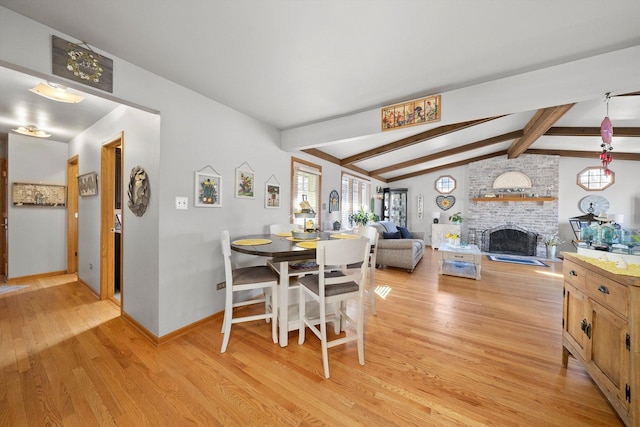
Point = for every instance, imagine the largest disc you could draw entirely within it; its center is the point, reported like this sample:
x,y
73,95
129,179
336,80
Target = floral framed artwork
x,y
245,183
208,190
412,113
272,196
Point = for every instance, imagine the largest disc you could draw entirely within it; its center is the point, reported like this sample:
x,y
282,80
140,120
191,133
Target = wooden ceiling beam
x,y
414,139
468,147
586,154
332,159
537,126
591,131
448,165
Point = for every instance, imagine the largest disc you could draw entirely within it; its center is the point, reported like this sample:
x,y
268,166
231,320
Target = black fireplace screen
x,y
509,239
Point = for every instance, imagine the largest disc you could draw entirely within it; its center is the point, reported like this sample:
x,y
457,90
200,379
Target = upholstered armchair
x,y
398,247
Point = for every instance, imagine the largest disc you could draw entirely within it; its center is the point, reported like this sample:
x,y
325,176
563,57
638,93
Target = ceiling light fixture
x,y
57,92
32,130
606,131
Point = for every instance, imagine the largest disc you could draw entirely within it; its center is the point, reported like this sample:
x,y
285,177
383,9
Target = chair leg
x,y
274,313
301,315
226,326
360,330
323,340
372,288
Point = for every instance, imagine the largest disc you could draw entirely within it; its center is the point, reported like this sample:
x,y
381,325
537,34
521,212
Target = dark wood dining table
x,y
281,251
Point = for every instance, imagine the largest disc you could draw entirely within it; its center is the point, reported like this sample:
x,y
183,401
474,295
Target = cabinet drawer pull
x,y
573,273
603,289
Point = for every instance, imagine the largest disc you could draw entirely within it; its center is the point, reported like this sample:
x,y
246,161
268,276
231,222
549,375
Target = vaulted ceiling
x,y
305,64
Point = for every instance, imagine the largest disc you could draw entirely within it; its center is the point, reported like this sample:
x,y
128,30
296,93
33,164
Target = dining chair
x,y
335,287
245,279
372,234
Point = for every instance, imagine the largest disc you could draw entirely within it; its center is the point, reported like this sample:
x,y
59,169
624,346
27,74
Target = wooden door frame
x,y
4,207
107,202
72,214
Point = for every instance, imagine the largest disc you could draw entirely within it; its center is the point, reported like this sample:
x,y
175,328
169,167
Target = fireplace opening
x,y
509,239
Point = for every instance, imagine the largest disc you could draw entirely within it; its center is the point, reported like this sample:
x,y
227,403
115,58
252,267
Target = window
x,y
595,179
305,184
445,184
356,193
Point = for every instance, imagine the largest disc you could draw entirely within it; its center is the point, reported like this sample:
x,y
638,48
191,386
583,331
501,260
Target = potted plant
x,y
362,218
551,241
456,218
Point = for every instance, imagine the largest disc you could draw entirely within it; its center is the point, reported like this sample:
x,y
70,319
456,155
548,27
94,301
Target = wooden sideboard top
x,y
584,262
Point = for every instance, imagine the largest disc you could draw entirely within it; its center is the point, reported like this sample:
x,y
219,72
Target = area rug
x,y
5,289
516,260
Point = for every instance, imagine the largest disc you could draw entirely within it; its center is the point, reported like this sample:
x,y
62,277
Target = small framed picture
x,y
88,184
245,184
208,190
272,196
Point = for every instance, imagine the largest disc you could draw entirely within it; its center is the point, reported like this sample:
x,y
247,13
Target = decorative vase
x,y
551,251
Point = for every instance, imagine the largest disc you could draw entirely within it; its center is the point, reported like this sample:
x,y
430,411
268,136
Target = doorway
x,y
5,222
111,223
72,215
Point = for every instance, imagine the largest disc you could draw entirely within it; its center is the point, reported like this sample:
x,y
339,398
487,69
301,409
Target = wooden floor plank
x,y
441,351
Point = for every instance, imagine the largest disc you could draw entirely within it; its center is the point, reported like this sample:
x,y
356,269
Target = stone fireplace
x,y
537,217
509,239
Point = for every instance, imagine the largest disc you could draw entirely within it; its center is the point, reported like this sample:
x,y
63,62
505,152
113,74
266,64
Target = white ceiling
x,y
291,63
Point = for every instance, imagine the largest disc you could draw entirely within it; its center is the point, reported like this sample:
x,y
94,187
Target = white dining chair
x,y
336,287
372,234
245,279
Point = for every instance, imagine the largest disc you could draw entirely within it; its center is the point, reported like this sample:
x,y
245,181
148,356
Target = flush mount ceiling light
x,y
57,92
32,130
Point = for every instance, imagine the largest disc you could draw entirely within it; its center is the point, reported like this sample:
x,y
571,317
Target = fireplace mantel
x,y
514,199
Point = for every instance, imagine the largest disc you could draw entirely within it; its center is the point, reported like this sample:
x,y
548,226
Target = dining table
x,y
289,257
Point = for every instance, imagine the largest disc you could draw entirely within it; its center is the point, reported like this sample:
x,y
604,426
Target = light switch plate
x,y
182,202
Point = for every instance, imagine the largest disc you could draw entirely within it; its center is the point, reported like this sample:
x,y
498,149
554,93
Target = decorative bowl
x,y
304,235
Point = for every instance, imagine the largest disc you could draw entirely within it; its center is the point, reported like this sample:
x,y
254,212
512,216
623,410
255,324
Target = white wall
x,y
37,235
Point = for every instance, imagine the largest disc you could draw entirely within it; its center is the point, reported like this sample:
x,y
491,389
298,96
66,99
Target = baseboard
x,y
158,341
35,276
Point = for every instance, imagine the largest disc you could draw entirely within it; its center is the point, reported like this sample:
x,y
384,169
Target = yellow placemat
x,y
285,234
345,236
302,240
308,245
251,242
610,266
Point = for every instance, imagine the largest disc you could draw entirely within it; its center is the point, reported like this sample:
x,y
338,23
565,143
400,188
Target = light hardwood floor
x,y
442,351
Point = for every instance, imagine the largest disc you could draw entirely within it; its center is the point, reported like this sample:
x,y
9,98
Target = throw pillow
x,y
395,235
406,234
389,226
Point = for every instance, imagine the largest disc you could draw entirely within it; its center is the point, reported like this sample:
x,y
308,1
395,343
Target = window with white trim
x,y
356,193
305,184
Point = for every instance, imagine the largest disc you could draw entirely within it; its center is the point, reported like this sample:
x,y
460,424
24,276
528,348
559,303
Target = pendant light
x,y
606,132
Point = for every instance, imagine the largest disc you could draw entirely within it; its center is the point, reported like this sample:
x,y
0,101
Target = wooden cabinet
x,y
394,206
601,328
440,231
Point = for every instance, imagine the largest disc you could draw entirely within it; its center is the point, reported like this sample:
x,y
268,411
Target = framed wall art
x,y
411,113
88,184
208,190
272,196
334,201
23,194
245,182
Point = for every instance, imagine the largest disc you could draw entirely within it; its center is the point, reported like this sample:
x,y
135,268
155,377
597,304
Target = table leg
x,y
283,304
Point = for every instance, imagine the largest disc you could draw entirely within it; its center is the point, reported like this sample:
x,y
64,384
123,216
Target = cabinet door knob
x,y
603,289
573,273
